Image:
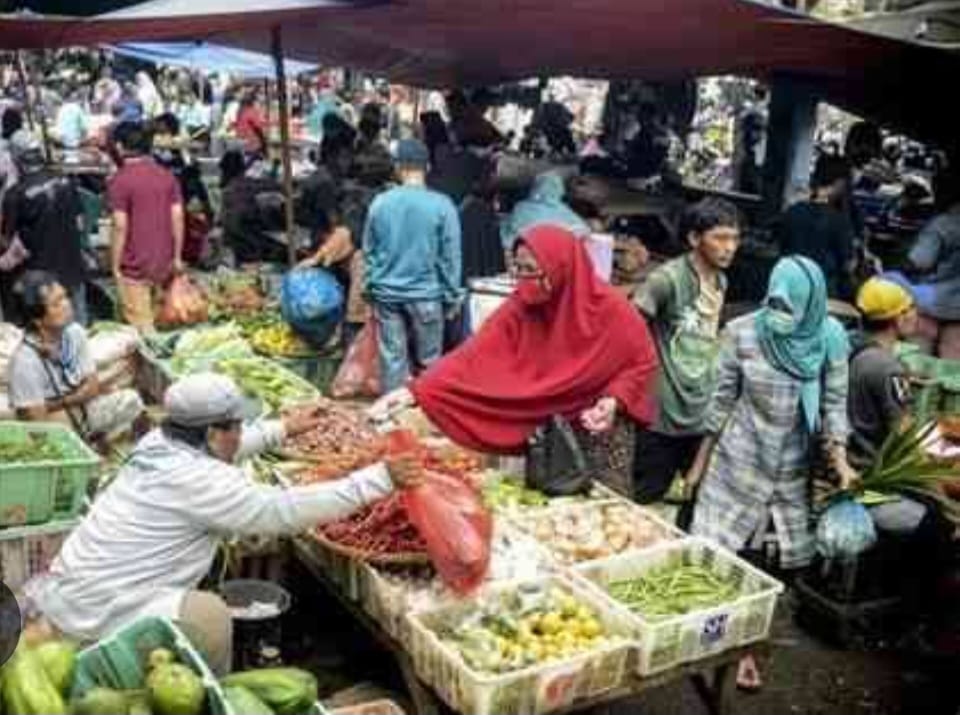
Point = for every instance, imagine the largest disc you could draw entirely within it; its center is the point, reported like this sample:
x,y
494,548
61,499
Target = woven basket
x,y
412,558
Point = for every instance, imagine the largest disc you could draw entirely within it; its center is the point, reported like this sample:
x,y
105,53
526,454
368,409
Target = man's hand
x,y
601,416
392,402
405,470
304,419
338,247
178,267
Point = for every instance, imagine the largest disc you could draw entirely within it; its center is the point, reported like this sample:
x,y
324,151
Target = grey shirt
x,y
878,397
34,379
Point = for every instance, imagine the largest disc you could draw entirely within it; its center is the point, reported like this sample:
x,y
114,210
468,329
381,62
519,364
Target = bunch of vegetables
x,y
902,466
271,691
278,339
674,591
38,680
33,447
588,531
236,294
271,383
502,493
523,628
382,528
198,350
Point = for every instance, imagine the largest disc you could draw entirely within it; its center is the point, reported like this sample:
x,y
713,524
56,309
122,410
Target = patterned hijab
x,y
802,343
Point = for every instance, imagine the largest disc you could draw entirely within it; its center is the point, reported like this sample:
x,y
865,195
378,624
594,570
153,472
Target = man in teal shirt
x,y
411,248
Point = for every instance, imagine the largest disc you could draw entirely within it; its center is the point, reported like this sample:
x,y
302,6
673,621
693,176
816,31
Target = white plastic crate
x,y
526,522
29,550
531,691
699,634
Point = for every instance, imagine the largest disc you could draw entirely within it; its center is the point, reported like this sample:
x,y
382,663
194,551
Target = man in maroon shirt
x,y
147,226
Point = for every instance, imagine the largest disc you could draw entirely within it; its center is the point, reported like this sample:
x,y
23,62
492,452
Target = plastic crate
x,y
38,492
29,550
527,523
530,691
117,661
927,392
698,634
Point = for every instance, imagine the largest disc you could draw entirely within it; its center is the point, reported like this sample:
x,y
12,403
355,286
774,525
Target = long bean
x,y
673,591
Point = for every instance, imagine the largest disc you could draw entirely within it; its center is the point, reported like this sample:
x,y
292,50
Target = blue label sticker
x,y
714,629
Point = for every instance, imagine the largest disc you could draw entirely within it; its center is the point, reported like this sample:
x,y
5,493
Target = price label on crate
x,y
558,687
714,629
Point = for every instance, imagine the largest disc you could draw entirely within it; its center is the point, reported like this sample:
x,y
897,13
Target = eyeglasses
x,y
526,271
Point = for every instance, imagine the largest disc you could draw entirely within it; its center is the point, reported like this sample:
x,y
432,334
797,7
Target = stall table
x,y
710,677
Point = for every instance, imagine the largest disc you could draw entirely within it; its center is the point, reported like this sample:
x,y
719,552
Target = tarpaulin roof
x,y
450,42
209,57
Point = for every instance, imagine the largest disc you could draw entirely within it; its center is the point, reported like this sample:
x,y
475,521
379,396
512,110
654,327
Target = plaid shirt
x,y
760,468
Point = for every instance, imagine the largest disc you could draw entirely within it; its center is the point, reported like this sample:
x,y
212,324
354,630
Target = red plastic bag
x,y
359,373
451,519
183,303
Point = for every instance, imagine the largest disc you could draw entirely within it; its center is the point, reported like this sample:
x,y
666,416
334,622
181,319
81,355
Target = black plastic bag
x,y
556,464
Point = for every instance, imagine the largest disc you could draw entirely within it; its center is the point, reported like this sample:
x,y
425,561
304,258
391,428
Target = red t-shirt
x,y
251,126
146,192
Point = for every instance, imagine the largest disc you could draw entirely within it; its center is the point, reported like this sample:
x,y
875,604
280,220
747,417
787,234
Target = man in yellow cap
x,y
879,393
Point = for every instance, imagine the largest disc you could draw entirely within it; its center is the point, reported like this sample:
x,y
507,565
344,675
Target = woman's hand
x,y
392,402
601,416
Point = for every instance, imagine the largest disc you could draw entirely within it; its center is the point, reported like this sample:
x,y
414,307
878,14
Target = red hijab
x,y
535,358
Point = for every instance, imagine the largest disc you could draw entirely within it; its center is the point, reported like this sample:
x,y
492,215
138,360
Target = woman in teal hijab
x,y
781,394
795,332
545,204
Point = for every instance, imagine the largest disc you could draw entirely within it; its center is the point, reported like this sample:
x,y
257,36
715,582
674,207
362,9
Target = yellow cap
x,y
880,299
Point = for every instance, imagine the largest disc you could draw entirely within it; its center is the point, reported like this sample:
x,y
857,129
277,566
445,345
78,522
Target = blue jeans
x,y
408,330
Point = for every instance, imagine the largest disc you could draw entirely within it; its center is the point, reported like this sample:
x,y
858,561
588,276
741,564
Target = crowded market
x,y
349,368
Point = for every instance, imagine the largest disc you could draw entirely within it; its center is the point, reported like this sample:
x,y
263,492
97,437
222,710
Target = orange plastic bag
x,y
183,303
450,516
359,373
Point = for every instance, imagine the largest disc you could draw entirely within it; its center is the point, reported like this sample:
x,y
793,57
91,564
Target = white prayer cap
x,y
203,399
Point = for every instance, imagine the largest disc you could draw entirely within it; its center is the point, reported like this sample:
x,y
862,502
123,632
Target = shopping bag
x,y
450,516
183,303
359,373
845,530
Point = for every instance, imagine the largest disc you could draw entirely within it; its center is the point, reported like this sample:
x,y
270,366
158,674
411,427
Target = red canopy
x,y
452,42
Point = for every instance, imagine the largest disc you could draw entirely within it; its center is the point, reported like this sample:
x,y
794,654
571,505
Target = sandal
x,y
748,675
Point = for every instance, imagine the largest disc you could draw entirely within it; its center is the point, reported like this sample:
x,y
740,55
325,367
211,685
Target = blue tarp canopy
x,y
210,58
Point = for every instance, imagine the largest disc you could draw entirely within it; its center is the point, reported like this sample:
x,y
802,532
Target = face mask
x,y
531,292
780,321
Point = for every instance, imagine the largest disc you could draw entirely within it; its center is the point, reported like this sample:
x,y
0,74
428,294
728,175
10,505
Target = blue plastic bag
x,y
312,302
845,530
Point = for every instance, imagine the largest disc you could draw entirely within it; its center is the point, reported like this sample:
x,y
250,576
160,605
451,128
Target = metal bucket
x,y
257,608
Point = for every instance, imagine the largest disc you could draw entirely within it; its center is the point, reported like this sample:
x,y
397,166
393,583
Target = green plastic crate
x,y
927,390
117,661
38,492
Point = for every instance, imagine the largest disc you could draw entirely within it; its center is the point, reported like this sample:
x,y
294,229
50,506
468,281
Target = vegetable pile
x,y
383,528
279,340
32,447
523,628
584,532
284,691
509,494
199,349
236,294
271,383
674,591
343,442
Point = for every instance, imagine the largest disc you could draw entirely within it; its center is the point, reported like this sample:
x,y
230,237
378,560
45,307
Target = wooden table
x,y
711,677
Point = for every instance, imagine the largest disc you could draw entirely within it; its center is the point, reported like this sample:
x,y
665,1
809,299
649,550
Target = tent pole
x,y
22,76
285,144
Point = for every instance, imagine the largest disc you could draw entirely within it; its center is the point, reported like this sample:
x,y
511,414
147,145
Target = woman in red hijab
x,y
565,343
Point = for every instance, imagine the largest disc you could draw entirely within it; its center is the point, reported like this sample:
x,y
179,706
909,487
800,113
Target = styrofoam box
x,y
699,634
531,691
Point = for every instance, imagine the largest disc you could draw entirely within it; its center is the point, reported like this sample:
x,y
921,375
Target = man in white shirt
x,y
152,535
